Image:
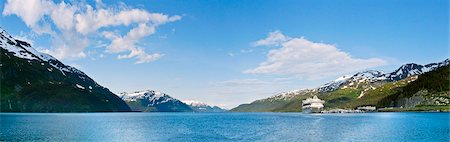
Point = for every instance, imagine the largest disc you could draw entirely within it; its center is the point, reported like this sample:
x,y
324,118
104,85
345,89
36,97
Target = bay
x,y
393,126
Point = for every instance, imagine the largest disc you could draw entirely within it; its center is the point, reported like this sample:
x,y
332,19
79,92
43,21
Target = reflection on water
x,y
224,127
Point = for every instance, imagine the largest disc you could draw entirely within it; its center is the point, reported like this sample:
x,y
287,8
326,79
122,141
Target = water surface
x,y
224,127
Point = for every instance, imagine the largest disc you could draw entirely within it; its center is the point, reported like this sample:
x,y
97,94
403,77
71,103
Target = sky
x,y
230,52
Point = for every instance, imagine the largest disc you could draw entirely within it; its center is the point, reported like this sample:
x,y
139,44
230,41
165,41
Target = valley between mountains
x,y
32,81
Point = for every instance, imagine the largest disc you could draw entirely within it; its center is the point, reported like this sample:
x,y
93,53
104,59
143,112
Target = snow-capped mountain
x,y
370,79
24,50
153,97
414,69
372,76
31,78
368,76
288,95
353,80
150,100
429,88
334,84
203,107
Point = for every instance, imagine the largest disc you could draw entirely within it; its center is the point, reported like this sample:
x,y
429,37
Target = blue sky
x,y
230,52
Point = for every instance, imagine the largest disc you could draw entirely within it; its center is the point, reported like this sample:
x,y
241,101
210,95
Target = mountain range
x,y
369,87
402,72
153,101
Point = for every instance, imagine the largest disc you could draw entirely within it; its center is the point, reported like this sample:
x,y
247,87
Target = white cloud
x,y
275,38
31,11
247,51
43,29
92,20
240,82
303,58
145,58
62,15
128,43
141,56
69,45
99,4
76,23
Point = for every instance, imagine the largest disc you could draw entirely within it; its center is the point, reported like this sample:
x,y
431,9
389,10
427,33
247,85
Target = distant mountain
x,y
357,89
203,107
36,82
152,101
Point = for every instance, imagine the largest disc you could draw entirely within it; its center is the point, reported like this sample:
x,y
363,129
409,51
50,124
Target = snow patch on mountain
x,y
24,50
288,95
153,97
79,86
20,48
10,44
334,84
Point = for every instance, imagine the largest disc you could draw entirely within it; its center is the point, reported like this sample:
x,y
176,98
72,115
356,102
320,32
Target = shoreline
x,y
437,111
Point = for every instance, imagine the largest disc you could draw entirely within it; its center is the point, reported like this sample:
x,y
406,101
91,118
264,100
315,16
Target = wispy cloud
x,y
72,25
304,58
239,82
274,38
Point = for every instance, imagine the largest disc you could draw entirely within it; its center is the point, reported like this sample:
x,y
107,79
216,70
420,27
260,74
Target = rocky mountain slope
x,y
36,82
347,91
430,91
372,76
152,101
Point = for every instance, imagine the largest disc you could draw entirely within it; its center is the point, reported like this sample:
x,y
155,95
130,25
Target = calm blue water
x,y
224,127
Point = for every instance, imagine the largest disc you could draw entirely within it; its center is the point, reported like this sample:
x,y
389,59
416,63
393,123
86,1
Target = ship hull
x,y
311,110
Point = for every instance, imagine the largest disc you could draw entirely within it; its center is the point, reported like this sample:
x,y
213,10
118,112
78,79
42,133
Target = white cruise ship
x,y
312,105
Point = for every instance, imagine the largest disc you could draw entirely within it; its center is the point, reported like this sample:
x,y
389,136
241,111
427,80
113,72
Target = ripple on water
x,y
224,127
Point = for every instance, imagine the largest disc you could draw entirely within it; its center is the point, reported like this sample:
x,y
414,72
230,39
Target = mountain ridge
x,y
27,76
404,71
358,84
153,101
